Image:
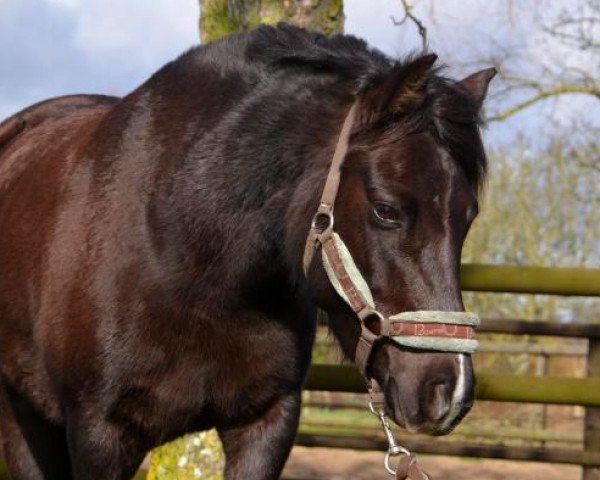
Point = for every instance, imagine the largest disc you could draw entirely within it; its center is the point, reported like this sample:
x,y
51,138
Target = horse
x,y
153,250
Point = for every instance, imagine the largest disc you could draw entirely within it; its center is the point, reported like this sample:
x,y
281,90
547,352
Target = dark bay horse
x,y
151,248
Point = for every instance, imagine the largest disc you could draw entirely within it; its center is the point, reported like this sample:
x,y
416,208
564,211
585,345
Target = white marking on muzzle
x,y
459,393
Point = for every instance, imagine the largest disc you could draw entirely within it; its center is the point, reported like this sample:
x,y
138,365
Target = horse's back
x,y
39,120
48,110
38,150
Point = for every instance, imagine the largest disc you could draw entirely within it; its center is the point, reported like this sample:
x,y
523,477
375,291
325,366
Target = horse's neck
x,y
232,243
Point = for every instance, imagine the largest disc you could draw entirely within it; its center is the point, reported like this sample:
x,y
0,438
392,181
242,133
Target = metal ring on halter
x,y
388,455
369,313
319,215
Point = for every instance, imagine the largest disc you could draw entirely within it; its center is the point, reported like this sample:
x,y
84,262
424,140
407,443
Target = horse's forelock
x,y
440,108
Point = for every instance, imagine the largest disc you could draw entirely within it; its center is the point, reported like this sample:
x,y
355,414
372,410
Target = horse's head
x,y
406,199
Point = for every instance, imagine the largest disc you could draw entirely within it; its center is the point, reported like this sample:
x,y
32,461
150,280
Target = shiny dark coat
x,y
150,246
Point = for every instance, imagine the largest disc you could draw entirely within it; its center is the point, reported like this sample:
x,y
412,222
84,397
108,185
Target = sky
x,y
56,47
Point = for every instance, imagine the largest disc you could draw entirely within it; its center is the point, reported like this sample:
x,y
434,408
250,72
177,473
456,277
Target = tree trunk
x,y
193,457
222,17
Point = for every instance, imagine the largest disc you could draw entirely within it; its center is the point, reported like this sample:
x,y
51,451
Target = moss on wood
x,y
188,458
222,17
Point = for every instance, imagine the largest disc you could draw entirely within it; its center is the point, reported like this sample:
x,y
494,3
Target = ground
x,y
329,464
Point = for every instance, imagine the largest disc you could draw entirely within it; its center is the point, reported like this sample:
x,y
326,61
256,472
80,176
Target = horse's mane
x,y
286,47
349,64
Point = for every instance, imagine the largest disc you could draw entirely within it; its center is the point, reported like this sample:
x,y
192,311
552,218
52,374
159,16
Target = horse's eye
x,y
386,213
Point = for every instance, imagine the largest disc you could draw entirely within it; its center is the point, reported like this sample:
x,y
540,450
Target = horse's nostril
x,y
440,401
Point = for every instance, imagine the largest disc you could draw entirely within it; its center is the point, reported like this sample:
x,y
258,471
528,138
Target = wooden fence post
x,y
543,368
592,414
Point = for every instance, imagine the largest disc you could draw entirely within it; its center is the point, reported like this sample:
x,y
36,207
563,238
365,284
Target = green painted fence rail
x,y
525,327
369,427
460,449
536,280
502,388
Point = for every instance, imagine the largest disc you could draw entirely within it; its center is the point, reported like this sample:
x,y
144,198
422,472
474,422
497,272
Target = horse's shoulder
x,y
51,109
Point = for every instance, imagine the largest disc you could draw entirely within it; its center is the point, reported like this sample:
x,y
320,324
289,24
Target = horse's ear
x,y
476,84
402,88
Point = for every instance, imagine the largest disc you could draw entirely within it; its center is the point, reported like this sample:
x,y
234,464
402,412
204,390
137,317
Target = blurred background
x,y
541,205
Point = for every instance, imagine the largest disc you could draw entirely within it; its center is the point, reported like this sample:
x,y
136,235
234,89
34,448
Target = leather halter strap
x,y
429,330
330,190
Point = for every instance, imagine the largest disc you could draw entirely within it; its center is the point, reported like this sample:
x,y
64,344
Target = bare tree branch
x,y
577,30
543,94
409,15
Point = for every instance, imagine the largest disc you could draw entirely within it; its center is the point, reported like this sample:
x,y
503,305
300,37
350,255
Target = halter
x,y
425,330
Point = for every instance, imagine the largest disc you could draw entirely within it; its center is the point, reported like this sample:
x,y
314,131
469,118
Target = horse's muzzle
x,y
429,392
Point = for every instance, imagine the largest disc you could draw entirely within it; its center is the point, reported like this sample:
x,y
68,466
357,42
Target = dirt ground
x,y
329,464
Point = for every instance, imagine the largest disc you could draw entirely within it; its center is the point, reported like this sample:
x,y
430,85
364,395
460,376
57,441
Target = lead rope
x,y
408,467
